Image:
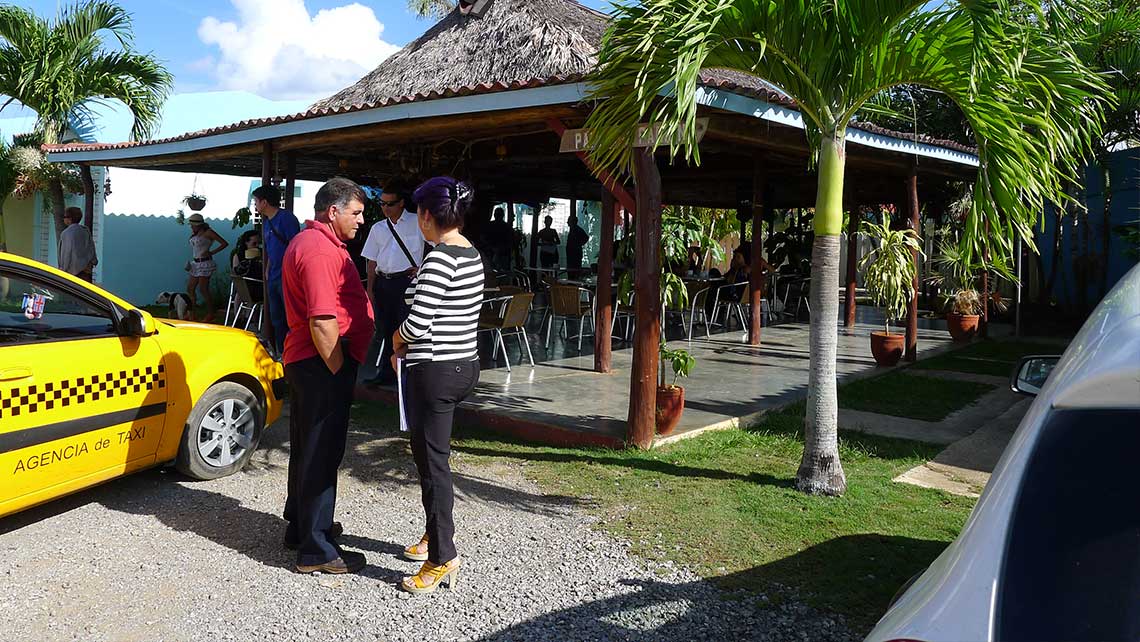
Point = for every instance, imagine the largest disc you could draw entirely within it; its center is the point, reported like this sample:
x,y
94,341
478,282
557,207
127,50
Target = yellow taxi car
x,y
92,388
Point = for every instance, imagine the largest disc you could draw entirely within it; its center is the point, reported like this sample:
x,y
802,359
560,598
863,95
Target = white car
x,y
1052,549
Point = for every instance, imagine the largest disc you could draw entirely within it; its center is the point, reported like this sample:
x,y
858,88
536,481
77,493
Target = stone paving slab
x,y
732,384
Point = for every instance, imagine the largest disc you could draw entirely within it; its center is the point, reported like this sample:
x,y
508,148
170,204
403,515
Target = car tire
x,y
222,432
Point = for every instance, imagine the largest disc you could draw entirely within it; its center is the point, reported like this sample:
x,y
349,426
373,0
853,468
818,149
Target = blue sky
x,y
214,44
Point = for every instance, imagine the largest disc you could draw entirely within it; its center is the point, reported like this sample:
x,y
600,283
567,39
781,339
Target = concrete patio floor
x,y
561,401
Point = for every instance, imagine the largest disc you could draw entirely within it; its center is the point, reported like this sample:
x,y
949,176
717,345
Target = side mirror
x,y
138,323
1031,373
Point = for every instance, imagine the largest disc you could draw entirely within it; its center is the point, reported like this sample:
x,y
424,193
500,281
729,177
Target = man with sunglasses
x,y
394,249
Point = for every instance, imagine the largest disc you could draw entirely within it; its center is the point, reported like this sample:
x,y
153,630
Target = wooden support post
x,y
647,303
290,179
756,282
536,212
852,250
603,308
912,310
266,174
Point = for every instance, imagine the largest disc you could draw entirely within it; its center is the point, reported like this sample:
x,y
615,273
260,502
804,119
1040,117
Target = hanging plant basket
x,y
196,203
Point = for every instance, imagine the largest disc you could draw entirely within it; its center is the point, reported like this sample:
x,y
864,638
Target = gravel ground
x,y
157,557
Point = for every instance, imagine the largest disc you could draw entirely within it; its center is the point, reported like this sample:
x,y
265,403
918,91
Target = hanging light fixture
x,y
107,183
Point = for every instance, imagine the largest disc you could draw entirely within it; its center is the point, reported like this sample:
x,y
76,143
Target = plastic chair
x,y
570,302
508,318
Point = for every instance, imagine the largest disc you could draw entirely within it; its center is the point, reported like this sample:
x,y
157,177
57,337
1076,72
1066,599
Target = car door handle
x,y
11,374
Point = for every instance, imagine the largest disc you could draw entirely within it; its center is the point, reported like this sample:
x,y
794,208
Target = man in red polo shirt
x,y
330,325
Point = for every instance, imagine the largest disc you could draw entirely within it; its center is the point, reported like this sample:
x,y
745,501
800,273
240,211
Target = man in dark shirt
x,y
576,239
331,325
280,226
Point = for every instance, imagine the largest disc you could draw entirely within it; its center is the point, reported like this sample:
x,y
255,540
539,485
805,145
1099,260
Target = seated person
x,y
245,261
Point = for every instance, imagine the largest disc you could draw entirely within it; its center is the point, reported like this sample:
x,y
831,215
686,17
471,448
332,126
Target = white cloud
x,y
277,50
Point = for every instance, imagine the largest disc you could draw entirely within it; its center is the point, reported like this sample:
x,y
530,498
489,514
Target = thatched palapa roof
x,y
516,40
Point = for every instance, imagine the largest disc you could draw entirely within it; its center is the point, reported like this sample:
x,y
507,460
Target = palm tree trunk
x,y
1106,228
88,196
55,193
820,471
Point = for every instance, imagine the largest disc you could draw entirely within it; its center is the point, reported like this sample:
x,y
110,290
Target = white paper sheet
x,y
400,394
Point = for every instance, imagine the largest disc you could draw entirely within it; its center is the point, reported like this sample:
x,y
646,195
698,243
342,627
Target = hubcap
x,y
226,432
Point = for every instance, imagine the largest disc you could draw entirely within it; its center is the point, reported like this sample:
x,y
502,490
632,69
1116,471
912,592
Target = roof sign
x,y
578,140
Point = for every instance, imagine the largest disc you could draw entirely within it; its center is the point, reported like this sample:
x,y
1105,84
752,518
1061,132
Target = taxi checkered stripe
x,y
62,394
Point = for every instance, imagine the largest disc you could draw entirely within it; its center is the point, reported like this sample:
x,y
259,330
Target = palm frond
x,y
80,23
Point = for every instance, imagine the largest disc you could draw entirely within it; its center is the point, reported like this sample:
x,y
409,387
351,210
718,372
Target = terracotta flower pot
x,y
670,405
887,348
962,327
196,204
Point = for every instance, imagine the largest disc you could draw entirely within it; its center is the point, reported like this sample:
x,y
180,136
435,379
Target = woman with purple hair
x,y
437,343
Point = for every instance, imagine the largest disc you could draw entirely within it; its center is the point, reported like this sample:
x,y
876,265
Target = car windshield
x,y
1072,569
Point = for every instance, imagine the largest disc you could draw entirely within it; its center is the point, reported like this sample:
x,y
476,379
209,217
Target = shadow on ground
x,y
742,612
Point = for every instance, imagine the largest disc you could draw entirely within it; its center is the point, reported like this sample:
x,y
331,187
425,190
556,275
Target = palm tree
x,y
1108,41
62,70
431,8
1033,107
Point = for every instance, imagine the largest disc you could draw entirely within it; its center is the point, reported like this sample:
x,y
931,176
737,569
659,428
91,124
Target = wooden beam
x,y
647,302
609,181
290,179
912,310
852,249
603,307
756,282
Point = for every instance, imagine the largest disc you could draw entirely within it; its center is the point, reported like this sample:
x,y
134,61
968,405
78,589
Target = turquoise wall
x,y
145,255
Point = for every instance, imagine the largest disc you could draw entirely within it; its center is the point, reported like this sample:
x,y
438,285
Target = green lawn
x,y
996,358
723,505
914,396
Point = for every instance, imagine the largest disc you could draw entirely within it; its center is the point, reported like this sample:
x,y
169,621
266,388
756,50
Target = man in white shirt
x,y
392,263
76,247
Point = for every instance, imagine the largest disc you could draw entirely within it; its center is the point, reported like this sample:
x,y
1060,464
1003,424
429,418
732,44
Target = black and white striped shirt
x,y
445,298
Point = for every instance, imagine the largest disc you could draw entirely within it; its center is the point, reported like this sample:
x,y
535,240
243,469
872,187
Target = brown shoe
x,y
348,562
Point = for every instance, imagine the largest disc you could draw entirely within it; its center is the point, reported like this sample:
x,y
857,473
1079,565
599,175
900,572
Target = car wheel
x,y
222,432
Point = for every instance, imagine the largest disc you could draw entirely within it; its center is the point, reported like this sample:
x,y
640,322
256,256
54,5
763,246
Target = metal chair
x,y
570,302
508,317
700,306
796,291
730,299
624,310
240,295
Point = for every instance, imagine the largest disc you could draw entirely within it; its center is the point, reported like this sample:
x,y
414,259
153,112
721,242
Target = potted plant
x,y
671,398
195,201
957,277
889,272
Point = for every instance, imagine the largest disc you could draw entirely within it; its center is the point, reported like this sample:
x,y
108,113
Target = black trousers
x,y
318,428
434,389
390,312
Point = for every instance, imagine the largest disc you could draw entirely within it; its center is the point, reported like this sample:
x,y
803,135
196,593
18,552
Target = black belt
x,y
204,259
394,275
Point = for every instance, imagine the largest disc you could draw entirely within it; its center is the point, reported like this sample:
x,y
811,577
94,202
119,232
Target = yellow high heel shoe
x,y
431,576
417,552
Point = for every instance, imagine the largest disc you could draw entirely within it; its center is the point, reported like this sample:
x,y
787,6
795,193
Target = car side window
x,y
36,310
1072,562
